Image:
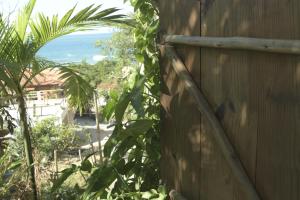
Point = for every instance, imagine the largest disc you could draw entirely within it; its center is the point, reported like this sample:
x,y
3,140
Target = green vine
x,y
131,169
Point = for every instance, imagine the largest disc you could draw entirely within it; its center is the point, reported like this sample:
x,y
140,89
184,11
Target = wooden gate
x,y
255,96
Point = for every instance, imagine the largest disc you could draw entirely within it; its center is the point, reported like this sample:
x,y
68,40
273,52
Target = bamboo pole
x,y
98,127
93,150
243,43
79,154
219,134
56,163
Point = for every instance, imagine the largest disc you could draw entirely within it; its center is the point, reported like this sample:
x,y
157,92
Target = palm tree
x,y
19,43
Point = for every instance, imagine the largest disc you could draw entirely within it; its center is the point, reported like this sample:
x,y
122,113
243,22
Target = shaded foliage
x,y
19,44
131,169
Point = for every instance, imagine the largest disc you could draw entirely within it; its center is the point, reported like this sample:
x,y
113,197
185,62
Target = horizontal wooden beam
x,y
218,132
242,43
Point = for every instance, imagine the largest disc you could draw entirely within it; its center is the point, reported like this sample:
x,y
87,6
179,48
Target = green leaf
x,y
124,146
66,173
122,106
112,142
120,135
100,179
78,91
86,166
15,165
109,109
45,29
23,19
138,127
136,98
139,58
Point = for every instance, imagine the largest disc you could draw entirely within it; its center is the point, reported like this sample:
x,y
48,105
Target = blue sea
x,y
75,48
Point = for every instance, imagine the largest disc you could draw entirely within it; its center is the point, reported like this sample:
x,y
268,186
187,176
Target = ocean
x,y
75,48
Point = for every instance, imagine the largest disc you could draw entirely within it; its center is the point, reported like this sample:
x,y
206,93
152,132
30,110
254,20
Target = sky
x,y
51,7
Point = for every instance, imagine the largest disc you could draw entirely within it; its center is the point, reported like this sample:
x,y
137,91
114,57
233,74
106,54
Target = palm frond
x,y
45,29
77,90
23,18
7,45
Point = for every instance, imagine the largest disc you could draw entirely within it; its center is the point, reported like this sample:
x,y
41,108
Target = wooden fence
x,y
231,98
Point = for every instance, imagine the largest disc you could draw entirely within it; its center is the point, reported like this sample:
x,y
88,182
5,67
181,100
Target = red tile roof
x,y
49,77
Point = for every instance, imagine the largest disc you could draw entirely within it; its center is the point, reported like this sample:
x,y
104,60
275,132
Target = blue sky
x,y
50,7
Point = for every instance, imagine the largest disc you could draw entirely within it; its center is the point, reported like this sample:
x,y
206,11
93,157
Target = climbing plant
x,y
133,151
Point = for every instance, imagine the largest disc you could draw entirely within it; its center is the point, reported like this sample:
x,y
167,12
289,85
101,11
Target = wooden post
x,y
56,163
218,134
34,110
98,127
93,150
80,156
243,43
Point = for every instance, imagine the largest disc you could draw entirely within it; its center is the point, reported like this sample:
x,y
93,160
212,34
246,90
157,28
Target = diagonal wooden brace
x,y
218,134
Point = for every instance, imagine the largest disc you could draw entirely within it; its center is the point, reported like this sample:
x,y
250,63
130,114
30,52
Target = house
x,y
45,98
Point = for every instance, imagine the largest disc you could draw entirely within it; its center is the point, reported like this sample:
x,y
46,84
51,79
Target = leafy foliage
x,y
10,175
21,41
120,47
131,169
19,44
95,74
6,120
49,136
78,91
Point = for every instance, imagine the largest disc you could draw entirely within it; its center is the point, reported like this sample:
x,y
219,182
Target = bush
x,y
49,136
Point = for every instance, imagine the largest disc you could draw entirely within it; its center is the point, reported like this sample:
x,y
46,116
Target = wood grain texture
x,y
255,96
255,123
218,134
238,43
180,163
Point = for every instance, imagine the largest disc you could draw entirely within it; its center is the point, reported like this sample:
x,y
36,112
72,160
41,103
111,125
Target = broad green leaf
x,y
66,173
122,106
86,166
137,96
100,179
109,109
133,130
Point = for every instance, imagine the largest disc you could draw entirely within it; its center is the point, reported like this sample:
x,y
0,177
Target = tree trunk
x,y
27,144
98,127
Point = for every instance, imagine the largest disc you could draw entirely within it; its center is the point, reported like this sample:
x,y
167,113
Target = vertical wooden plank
x,y
277,172
224,76
216,180
254,93
180,129
295,162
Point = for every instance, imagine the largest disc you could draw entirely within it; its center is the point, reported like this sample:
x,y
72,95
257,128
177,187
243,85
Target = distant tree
x,y
97,73
120,46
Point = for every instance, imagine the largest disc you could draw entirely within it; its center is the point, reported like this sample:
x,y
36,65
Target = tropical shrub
x,y
48,136
131,169
20,41
13,184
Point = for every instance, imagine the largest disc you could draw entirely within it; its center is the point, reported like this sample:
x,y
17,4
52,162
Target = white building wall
x,y
40,109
